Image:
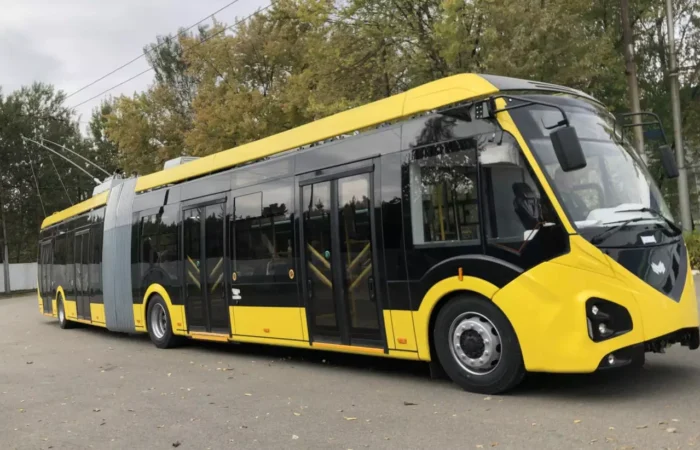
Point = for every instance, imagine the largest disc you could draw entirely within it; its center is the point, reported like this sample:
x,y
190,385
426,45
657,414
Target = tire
x,y
159,324
63,321
486,357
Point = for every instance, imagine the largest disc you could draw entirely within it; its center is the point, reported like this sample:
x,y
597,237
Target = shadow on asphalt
x,y
601,386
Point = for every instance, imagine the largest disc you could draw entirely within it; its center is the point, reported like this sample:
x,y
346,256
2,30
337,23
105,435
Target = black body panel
x,y
664,267
515,84
487,268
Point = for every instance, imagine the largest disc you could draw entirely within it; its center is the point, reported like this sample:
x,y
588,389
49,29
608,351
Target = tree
x,y
102,150
31,179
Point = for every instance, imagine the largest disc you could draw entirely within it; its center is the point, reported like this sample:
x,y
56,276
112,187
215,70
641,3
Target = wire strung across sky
x,y
195,45
181,33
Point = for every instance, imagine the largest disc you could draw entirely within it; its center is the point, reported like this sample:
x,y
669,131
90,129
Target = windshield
x,y
615,184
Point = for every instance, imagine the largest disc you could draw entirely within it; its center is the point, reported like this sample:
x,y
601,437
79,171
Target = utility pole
x,y
631,72
6,252
683,195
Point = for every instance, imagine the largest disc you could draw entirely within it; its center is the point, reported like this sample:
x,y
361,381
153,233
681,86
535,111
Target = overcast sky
x,y
71,43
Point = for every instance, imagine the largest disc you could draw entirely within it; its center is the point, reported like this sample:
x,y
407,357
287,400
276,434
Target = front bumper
x,y
634,354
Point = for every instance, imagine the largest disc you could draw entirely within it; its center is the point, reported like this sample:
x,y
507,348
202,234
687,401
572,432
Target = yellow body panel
x,y
546,306
214,337
70,308
389,329
304,326
269,322
87,205
423,98
177,312
139,317
404,335
97,313
421,318
54,304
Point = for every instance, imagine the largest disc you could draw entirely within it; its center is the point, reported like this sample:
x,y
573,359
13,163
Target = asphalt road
x,y
89,388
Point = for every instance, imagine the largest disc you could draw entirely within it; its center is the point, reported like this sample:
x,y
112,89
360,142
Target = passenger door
x,y
46,259
82,274
339,257
204,264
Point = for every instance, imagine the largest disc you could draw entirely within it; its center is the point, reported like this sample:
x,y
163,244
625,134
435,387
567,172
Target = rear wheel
x,y
63,322
159,325
477,346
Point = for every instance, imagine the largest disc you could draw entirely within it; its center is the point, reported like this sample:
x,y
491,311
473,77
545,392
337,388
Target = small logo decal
x,y
236,294
658,268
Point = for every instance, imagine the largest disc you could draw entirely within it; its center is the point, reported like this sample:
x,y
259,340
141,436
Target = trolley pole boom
x,y
96,180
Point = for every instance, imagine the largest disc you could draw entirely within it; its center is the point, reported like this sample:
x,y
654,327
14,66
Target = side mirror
x,y
568,149
668,161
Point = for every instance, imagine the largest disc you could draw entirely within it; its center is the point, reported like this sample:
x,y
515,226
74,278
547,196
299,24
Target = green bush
x,y
692,241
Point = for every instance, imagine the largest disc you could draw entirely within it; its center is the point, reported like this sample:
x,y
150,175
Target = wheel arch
x,y
59,291
436,298
176,312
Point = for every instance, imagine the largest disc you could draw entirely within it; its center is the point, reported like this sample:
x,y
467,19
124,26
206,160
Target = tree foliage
x,y
302,60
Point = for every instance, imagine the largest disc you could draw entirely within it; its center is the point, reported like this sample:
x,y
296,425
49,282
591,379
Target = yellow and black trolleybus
x,y
488,225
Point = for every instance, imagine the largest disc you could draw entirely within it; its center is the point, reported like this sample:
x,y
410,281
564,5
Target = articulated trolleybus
x,y
487,225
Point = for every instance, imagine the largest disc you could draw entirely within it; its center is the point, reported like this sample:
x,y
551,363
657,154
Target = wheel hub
x,y
472,344
475,343
159,321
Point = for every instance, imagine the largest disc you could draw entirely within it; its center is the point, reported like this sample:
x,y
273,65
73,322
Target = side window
x,y
513,202
149,239
443,192
250,252
69,247
159,239
167,247
59,256
262,247
276,226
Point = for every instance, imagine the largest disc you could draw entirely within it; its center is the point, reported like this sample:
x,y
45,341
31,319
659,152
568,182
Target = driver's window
x,y
514,203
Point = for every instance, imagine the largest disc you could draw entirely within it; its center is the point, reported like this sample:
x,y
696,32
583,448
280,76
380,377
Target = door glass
x,y
78,269
81,304
355,235
214,242
46,276
85,272
316,200
196,315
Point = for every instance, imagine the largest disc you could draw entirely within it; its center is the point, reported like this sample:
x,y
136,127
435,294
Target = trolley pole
x,y
683,195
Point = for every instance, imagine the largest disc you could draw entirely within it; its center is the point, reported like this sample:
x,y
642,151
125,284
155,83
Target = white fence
x,y
22,277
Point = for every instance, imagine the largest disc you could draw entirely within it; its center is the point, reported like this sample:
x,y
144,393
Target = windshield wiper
x,y
657,214
598,238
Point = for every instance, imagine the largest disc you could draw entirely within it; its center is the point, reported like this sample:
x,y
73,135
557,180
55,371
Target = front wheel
x,y
477,346
159,325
